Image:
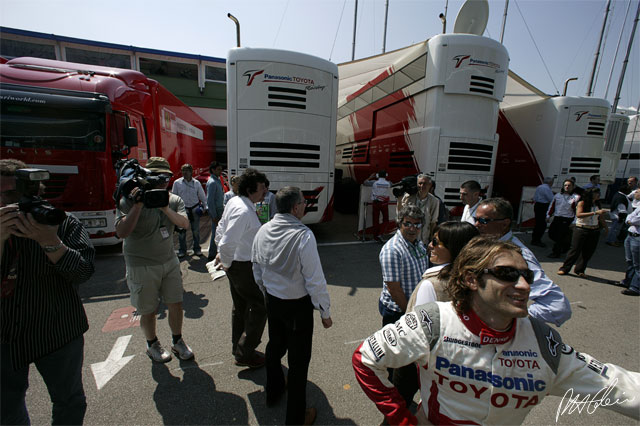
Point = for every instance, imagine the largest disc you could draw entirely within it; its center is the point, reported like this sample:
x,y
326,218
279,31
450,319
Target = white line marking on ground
x,y
355,341
575,303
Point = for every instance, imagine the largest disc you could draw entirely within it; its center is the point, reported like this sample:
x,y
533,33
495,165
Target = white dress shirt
x,y
191,192
469,213
236,230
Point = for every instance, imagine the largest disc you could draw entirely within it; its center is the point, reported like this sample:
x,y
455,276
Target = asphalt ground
x,y
212,390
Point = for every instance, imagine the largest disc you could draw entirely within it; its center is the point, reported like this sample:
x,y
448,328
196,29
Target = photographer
x,y
153,269
42,317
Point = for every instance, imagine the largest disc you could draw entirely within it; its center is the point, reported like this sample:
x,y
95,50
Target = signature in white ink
x,y
588,403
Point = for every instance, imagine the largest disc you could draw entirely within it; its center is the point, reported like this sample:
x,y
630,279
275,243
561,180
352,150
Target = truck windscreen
x,y
34,126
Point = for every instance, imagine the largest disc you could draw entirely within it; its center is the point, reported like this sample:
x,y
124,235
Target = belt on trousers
x,y
591,228
634,234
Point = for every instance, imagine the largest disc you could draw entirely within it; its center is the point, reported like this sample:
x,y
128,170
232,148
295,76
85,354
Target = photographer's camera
x,y
28,183
133,175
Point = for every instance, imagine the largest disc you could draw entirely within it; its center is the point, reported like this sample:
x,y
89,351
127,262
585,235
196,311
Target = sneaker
x,y
256,361
157,353
182,350
628,292
197,253
561,272
181,254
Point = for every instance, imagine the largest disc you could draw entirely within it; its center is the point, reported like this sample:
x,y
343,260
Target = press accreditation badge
x,y
164,232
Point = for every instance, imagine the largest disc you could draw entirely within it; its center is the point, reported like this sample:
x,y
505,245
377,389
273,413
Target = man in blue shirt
x,y
542,198
493,217
215,195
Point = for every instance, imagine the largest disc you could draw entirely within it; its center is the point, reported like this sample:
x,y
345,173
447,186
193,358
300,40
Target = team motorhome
x,y
629,164
281,109
77,121
613,144
559,137
431,108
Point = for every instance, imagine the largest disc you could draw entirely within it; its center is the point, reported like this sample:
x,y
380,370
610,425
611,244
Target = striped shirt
x,y
402,262
43,311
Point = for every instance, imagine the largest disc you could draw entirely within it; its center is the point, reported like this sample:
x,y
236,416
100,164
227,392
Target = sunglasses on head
x,y
510,274
412,225
484,220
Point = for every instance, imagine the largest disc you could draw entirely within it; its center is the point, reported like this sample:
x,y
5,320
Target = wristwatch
x,y
51,249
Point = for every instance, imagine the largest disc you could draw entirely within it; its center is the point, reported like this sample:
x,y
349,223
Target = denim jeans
x,y
213,250
195,230
612,236
632,255
62,373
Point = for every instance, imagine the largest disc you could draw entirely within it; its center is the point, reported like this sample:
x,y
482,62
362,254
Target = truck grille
x,y
480,84
286,97
452,197
276,154
356,153
585,165
470,156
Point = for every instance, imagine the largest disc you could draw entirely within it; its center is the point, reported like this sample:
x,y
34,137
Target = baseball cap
x,y
158,165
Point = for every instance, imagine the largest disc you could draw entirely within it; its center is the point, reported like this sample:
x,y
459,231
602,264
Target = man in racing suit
x,y
482,360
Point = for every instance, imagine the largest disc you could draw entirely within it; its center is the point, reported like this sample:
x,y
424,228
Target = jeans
x,y
612,236
213,250
62,373
195,230
632,255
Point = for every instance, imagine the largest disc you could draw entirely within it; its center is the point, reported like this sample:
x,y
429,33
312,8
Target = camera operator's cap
x,y
158,165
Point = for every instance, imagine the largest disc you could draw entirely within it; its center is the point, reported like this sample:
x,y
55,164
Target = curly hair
x,y
411,211
249,181
478,254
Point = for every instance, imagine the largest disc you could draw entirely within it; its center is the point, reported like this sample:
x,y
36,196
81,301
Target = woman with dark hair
x,y
449,238
563,211
589,221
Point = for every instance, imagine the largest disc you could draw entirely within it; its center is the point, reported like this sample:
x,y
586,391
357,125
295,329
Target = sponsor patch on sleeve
x,y
375,347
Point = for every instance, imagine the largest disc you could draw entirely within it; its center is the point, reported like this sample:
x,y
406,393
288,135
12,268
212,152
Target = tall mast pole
x,y
626,60
504,20
595,60
355,21
386,15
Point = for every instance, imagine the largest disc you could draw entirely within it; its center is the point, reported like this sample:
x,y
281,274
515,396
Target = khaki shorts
x,y
151,284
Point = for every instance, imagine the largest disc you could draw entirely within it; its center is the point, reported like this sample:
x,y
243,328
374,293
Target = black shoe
x,y
628,292
256,361
538,243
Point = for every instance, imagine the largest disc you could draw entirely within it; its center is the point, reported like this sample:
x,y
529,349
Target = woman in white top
x,y
589,222
562,210
449,238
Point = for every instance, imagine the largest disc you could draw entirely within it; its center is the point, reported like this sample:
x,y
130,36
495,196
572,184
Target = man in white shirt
x,y
632,181
287,268
234,238
470,196
379,201
191,192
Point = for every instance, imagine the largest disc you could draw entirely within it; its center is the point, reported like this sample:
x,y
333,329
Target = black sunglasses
x,y
484,220
510,274
412,225
435,242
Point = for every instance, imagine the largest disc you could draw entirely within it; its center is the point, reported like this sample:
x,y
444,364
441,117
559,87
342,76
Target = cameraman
x,y
42,317
153,269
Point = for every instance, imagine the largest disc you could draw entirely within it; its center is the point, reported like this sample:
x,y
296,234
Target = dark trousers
x,y
248,315
290,330
540,210
560,233
405,379
62,373
583,244
377,208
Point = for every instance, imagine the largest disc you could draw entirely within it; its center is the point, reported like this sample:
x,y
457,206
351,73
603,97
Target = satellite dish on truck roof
x,y
472,17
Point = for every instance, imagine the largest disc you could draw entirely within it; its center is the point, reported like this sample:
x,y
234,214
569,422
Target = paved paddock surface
x,y
130,389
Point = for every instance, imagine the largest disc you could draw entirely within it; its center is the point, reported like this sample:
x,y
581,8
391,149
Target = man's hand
x,y
28,227
326,322
218,265
8,221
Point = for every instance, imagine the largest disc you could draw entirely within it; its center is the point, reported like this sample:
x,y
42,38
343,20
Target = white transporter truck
x,y
281,108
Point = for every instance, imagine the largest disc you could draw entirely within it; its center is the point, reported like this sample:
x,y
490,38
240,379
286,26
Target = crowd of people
x,y
454,294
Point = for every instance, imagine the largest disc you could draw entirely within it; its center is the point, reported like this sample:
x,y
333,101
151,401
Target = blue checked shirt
x,y
402,262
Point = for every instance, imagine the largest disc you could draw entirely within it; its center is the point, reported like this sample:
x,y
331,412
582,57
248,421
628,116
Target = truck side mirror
x,y
130,136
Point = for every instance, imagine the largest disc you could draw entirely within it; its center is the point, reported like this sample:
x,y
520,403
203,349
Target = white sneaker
x,y
182,350
157,353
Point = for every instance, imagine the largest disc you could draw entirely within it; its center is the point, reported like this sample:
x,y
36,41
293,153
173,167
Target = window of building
x,y
153,67
15,48
215,73
105,59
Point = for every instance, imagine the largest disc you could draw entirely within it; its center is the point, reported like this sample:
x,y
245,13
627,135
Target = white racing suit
x,y
471,374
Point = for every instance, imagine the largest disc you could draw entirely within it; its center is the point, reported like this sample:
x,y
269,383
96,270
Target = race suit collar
x,y
488,336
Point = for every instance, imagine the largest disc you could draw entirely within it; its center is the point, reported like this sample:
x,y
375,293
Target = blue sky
x,y
564,31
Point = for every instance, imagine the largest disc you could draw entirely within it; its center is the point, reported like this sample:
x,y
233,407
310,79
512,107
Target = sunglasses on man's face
x,y
485,220
412,225
510,274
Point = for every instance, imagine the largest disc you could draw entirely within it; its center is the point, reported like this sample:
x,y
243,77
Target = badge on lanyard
x,y
164,232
